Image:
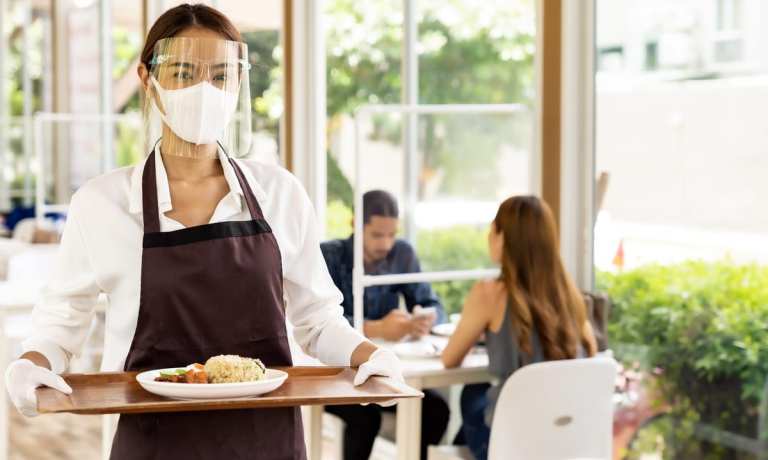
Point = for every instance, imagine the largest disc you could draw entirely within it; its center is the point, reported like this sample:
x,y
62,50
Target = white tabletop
x,y
429,368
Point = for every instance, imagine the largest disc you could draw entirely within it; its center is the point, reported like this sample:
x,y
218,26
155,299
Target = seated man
x,y
384,254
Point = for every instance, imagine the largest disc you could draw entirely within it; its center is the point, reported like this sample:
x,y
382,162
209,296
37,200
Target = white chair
x,y
557,410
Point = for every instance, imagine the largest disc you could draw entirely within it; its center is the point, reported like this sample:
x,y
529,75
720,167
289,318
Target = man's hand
x,y
393,327
421,326
422,322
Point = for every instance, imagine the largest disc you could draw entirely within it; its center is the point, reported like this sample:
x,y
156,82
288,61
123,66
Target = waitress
x,y
198,253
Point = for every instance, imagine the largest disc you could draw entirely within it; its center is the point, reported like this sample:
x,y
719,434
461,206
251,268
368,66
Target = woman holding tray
x,y
200,254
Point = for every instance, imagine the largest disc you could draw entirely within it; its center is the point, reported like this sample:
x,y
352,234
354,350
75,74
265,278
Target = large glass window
x,y
27,66
461,165
73,152
681,240
262,30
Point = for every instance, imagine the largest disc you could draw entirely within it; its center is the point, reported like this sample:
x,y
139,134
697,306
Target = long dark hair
x,y
183,16
542,295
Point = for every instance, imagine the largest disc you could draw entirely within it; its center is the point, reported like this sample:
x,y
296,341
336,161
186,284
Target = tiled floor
x,y
78,437
55,437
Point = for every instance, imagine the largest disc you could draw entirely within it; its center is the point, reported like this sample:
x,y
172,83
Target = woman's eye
x,y
222,77
183,75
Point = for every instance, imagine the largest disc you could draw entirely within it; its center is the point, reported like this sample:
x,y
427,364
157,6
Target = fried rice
x,y
233,368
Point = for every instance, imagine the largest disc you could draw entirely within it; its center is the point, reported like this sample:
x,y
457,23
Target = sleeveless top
x,y
505,357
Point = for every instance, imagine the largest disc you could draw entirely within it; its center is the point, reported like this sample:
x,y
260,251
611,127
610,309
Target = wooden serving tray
x,y
120,393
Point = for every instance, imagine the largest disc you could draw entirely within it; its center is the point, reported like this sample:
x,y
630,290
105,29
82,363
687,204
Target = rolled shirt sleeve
x,y
63,315
313,301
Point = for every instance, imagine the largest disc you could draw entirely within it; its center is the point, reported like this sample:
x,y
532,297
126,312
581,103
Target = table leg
x,y
454,422
316,432
408,434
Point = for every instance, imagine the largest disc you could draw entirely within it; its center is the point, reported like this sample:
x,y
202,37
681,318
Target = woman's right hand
x,y
23,377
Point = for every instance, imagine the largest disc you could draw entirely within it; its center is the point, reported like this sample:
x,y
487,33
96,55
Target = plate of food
x,y
444,329
417,350
223,376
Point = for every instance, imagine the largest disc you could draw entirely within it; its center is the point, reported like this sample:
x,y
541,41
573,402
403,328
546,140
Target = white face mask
x,y
198,114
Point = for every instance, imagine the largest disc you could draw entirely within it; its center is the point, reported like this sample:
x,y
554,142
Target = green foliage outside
x,y
126,46
338,222
703,324
338,187
461,247
470,52
128,151
264,55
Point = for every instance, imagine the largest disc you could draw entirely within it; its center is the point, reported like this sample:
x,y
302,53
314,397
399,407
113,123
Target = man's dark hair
x,y
379,203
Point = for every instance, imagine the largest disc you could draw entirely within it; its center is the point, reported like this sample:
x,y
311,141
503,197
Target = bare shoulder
x,y
485,294
488,288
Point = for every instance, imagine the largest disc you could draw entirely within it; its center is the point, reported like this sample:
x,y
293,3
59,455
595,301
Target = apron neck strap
x,y
250,198
149,195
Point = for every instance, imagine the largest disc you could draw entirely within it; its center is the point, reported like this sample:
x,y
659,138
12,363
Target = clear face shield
x,y
198,95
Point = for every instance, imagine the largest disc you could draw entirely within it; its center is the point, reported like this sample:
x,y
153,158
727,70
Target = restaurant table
x,y
420,374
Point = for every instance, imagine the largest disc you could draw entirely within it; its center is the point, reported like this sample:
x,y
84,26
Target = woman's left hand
x,y
381,362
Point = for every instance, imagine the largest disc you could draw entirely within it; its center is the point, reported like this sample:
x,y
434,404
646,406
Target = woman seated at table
x,y
533,312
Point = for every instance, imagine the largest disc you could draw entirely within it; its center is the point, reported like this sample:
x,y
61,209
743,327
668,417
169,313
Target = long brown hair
x,y
541,294
183,16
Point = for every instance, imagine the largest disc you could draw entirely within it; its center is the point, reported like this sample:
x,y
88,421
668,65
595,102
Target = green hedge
x,y
461,247
704,326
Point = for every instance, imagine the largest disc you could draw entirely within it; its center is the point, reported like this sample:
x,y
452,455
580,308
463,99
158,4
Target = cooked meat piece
x,y
195,375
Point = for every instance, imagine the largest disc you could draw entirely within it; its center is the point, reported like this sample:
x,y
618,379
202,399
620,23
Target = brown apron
x,y
209,290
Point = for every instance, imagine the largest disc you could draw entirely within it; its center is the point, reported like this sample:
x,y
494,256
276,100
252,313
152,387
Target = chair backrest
x,y
556,410
598,310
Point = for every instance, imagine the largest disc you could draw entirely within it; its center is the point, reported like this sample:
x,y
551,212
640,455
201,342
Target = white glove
x,y
23,377
381,362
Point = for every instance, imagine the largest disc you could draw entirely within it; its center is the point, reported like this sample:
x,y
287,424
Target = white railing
x,y
359,280
429,277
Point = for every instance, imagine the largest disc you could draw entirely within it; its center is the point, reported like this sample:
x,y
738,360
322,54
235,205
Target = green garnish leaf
x,y
173,372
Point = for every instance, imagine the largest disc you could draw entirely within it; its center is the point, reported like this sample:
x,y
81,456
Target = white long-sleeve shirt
x,y
101,251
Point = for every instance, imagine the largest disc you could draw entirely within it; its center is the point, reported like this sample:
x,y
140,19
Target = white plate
x,y
444,329
271,381
416,350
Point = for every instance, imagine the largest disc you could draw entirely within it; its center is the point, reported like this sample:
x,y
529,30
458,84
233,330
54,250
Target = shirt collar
x,y
164,192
